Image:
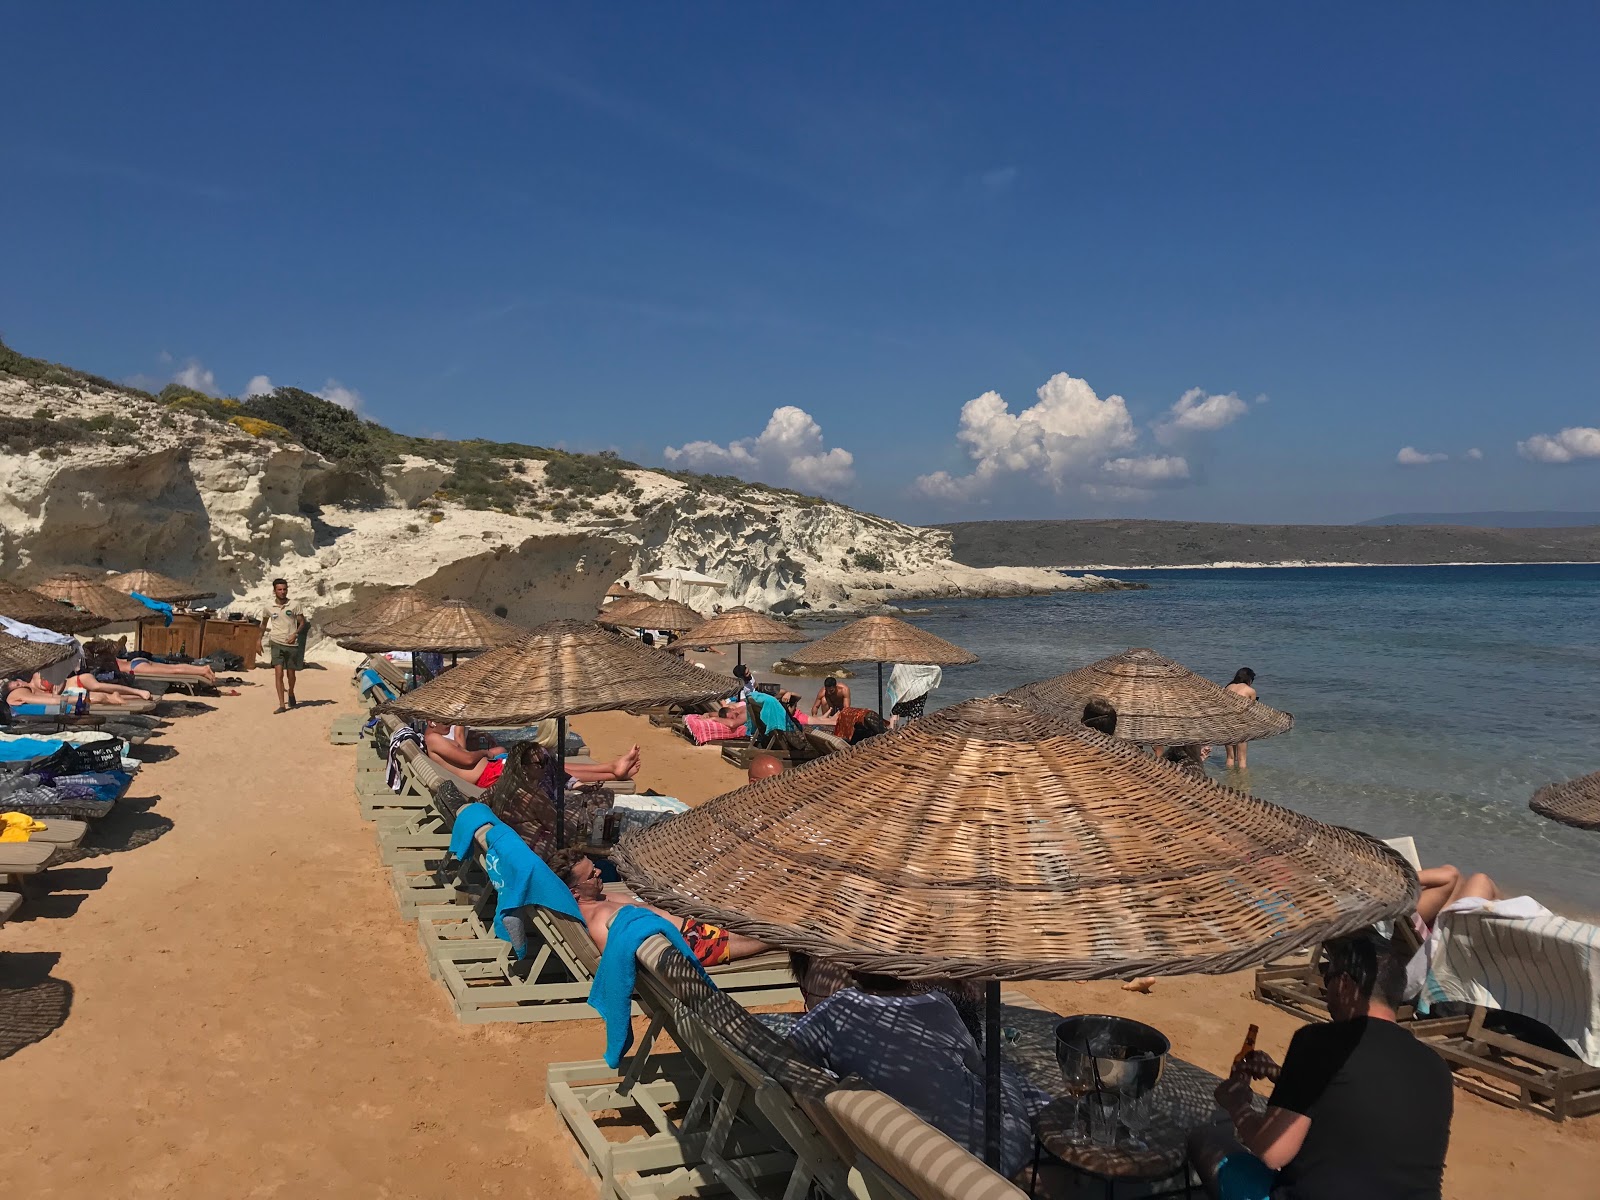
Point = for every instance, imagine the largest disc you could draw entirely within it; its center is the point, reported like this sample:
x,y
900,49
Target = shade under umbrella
x,y
1575,802
1014,845
18,656
393,606
92,596
448,626
560,669
655,614
881,640
31,608
157,586
1158,702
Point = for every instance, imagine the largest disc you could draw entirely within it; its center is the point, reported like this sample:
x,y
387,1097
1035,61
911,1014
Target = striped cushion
x,y
913,1153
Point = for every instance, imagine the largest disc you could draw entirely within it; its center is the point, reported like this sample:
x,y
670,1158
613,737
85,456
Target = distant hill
x,y
1114,544
1493,520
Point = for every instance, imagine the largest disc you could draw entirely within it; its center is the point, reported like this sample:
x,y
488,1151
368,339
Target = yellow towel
x,y
15,826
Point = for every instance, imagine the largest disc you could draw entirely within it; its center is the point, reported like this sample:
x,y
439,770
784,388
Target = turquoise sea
x,y
1428,701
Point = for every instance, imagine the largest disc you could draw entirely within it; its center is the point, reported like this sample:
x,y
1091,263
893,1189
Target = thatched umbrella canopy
x,y
92,596
1575,802
447,626
1016,845
654,614
738,626
18,656
392,606
880,640
1158,702
619,591
31,608
560,669
157,586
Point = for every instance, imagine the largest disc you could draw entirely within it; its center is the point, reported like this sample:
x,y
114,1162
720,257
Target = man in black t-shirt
x,y
1361,1108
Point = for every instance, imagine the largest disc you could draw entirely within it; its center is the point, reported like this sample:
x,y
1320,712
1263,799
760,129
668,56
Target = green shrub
x,y
866,560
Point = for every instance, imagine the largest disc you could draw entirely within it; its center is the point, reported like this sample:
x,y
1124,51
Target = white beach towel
x,y
1518,956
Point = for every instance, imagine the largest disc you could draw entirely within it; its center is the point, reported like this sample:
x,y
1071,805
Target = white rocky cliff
x,y
94,478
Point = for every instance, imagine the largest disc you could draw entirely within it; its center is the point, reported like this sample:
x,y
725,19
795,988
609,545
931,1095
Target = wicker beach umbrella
x,y
1158,702
560,669
1575,802
619,591
617,611
157,586
392,606
880,640
18,656
738,626
446,626
31,608
990,841
655,614
91,596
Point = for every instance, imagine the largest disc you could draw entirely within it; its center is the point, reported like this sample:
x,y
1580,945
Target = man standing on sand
x,y
282,626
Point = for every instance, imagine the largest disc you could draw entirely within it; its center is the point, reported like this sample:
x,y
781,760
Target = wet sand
x,y
250,1016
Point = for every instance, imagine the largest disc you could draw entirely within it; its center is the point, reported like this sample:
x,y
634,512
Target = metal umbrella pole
x,y
991,1073
880,689
561,781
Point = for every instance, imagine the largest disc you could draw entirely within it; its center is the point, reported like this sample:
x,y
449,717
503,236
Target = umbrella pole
x,y
738,654
561,782
880,689
991,1073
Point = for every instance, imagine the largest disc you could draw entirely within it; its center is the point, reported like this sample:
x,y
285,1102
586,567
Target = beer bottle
x,y
1246,1050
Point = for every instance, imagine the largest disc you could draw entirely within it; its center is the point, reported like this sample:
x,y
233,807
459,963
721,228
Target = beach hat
x,y
373,615
447,626
19,656
880,640
91,596
1158,702
991,841
1575,802
156,585
31,608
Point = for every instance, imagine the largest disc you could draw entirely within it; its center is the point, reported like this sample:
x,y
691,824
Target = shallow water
x,y
1428,701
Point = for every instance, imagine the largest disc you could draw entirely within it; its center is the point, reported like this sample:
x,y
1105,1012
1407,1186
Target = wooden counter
x,y
195,637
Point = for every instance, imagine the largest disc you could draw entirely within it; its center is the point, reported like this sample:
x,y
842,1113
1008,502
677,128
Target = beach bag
x,y
88,757
225,660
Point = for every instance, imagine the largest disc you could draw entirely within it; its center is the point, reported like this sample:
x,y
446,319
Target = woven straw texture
x,y
21,657
740,626
883,640
33,609
91,597
559,669
1158,702
449,626
1575,802
157,586
616,589
386,610
614,612
652,614
992,841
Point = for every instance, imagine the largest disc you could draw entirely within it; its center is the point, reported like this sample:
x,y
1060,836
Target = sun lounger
x,y
1545,969
57,831
25,858
733,1108
10,902
901,1157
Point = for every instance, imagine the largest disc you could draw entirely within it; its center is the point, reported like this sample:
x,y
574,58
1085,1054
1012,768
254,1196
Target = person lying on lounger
x,y
39,690
446,745
712,944
102,659
1443,886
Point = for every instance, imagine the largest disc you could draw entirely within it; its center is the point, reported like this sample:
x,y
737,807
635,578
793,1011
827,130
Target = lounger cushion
x,y
9,903
916,1155
60,831
25,858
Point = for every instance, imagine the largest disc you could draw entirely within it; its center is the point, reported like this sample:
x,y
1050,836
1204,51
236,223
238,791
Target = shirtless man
x,y
712,945
831,697
1240,686
107,658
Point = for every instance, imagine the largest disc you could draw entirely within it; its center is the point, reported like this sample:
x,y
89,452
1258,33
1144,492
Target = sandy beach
x,y
250,1016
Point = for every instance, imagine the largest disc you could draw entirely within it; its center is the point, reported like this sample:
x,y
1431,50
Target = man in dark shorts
x,y
283,627
1361,1108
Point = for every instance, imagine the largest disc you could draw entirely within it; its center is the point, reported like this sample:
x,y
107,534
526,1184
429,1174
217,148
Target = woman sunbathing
x,y
39,690
446,745
1443,886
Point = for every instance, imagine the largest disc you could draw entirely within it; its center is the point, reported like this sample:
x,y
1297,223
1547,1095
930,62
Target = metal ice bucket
x,y
1111,1054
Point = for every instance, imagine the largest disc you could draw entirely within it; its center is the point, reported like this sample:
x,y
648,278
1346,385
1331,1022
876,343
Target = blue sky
x,y
1221,261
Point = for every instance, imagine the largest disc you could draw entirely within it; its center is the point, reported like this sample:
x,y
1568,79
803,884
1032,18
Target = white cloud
x,y
194,374
1073,437
789,450
1410,456
259,385
337,393
1569,445
1196,412
1475,454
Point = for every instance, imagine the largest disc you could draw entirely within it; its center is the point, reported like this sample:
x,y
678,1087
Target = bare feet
x,y
1143,984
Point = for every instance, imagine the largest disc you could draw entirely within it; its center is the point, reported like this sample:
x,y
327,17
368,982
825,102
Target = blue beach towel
x,y
611,994
155,605
21,749
518,875
372,681
774,717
